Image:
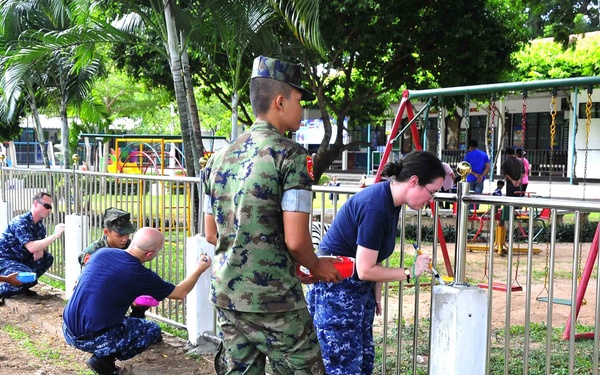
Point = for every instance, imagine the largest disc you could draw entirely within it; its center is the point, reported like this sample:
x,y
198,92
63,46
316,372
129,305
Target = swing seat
x,y
559,301
502,287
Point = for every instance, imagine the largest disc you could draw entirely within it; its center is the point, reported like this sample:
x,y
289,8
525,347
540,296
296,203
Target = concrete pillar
x,y
459,336
76,239
5,215
200,315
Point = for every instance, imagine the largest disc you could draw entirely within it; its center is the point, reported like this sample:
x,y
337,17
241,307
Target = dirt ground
x,y
476,261
32,342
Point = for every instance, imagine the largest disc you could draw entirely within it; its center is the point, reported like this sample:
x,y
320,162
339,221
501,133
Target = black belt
x,y
93,335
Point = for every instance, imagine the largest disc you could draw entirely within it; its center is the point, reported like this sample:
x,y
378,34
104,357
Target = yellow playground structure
x,y
160,155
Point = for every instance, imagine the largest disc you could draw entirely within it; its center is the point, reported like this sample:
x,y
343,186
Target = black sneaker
x,y
2,302
138,311
29,293
102,365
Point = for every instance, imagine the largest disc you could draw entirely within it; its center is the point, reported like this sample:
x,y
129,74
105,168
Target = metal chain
x,y
467,116
524,119
588,122
552,135
491,132
440,125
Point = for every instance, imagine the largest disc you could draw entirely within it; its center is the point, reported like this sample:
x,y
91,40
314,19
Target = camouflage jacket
x,y
85,255
245,181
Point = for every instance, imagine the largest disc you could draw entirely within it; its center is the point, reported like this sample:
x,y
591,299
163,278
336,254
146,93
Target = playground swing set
x,y
500,240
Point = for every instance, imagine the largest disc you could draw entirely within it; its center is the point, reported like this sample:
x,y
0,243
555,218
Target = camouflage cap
x,y
118,221
267,67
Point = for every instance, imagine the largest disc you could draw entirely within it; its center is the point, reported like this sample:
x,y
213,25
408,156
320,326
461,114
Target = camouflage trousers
x,y
287,338
10,266
124,341
343,316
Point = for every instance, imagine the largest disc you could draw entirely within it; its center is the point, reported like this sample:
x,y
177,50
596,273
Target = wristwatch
x,y
407,274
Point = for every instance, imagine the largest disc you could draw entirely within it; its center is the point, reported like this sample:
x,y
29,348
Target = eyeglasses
x,y
431,193
45,205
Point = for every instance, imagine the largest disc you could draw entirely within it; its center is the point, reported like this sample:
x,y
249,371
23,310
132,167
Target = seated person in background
x,y
24,244
94,319
117,228
499,187
333,182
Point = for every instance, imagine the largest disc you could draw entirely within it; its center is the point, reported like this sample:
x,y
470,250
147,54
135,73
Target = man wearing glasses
x,y
23,246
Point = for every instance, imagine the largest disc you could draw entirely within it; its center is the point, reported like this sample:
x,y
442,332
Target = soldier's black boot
x,y
138,311
102,365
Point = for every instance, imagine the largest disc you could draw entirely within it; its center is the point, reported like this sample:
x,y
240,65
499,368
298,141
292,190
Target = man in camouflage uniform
x,y
117,228
23,246
257,205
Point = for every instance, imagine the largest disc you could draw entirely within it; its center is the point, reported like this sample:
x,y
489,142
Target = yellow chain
x,y
552,135
588,123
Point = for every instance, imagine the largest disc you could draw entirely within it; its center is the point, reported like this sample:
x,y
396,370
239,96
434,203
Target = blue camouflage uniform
x,y
343,313
260,303
14,257
94,318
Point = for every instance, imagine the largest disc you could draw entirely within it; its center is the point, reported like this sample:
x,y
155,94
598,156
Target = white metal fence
x,y
529,346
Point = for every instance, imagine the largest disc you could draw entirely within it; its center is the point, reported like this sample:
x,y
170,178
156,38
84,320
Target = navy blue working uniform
x,y
94,319
343,313
14,257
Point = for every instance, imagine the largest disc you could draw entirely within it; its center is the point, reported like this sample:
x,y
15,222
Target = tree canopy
x,y
377,48
547,59
561,18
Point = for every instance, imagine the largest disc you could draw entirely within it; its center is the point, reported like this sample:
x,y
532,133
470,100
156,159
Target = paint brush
x,y
433,271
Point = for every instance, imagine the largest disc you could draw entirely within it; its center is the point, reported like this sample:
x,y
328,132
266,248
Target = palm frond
x,y
302,17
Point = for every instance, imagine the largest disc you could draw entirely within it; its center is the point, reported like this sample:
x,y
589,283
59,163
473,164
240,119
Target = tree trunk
x,y
38,129
178,83
88,153
234,115
198,151
64,134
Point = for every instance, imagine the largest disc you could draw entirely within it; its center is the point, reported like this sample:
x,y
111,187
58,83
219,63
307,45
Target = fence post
x,y
200,314
76,234
76,195
459,312
459,335
4,208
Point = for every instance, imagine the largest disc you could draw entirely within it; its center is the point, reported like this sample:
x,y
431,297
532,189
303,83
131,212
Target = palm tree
x,y
52,73
175,26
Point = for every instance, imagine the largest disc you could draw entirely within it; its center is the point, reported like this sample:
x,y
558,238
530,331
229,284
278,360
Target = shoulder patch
x,y
309,167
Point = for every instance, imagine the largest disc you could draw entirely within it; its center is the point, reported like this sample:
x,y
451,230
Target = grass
x,y
536,363
177,332
42,350
329,204
570,218
53,282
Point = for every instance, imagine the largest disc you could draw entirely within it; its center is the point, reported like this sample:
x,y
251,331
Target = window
x,y
595,110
